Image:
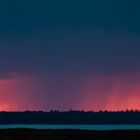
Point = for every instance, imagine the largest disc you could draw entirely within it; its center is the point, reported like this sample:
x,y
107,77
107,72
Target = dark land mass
x,y
70,117
34,134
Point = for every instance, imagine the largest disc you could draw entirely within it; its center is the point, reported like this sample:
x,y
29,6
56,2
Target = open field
x,y
34,134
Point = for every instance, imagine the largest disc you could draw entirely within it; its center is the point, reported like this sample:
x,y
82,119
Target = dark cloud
x,y
25,16
86,51
69,36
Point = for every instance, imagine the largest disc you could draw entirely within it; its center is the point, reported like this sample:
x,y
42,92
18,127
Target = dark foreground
x,y
33,134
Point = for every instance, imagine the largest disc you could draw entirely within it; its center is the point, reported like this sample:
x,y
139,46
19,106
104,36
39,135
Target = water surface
x,y
82,127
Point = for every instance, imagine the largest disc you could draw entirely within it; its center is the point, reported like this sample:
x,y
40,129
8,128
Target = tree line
x,y
71,117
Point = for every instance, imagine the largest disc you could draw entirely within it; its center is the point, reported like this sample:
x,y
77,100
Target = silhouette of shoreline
x,y
70,117
32,134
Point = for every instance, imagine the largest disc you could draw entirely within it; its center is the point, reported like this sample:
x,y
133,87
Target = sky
x,y
74,54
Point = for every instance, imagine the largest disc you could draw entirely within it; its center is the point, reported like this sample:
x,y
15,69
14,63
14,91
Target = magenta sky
x,y
93,92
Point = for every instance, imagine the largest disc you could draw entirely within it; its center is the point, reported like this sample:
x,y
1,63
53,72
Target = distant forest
x,y
71,117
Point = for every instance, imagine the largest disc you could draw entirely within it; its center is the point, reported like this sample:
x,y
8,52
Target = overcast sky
x,y
81,51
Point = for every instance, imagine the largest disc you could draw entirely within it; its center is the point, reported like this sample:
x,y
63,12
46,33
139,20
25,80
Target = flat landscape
x,y
35,134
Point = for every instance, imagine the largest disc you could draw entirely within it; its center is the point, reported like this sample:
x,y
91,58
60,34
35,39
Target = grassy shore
x,y
34,134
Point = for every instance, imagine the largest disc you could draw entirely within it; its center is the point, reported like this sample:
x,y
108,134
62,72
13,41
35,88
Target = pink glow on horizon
x,y
118,92
17,93
94,92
